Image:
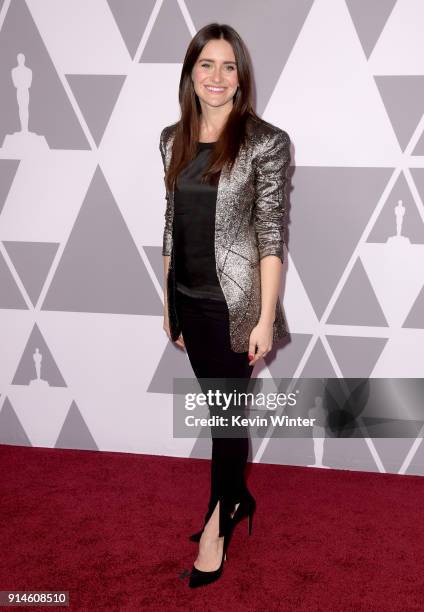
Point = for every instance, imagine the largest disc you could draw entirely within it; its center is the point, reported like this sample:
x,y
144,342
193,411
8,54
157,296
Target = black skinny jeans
x,y
205,329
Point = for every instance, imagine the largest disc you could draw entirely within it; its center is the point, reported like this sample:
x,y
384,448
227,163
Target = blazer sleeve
x,y
270,199
167,232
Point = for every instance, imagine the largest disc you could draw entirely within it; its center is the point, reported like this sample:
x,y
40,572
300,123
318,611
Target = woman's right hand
x,y
180,341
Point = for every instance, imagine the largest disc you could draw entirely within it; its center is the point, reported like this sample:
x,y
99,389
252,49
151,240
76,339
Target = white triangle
x,y
394,270
326,97
400,48
81,37
43,424
403,355
261,370
300,315
130,156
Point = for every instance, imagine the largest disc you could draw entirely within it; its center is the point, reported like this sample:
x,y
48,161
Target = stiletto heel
x,y
249,524
246,507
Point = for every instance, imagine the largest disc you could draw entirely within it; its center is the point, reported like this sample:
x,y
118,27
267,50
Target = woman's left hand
x,y
261,337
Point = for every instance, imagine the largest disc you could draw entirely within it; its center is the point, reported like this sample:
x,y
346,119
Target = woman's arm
x,y
166,244
270,199
268,216
167,232
166,259
179,341
271,268
166,252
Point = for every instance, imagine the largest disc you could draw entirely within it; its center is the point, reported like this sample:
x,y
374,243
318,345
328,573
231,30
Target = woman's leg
x,y
205,329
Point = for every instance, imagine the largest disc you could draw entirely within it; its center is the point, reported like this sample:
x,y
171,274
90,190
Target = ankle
x,y
211,534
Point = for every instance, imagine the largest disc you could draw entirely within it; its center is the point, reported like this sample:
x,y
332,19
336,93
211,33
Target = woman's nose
x,y
217,76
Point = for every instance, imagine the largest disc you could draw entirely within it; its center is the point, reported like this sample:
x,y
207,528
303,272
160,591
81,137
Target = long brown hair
x,y
187,128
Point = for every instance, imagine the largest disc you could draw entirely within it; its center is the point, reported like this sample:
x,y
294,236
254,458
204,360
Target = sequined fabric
x,y
250,211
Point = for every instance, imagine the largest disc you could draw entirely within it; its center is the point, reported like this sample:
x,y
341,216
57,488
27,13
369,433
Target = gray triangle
x,y
286,451
291,449
418,176
202,448
369,19
316,204
171,27
357,303
403,98
75,432
412,224
8,169
415,318
131,19
301,451
11,430
32,261
392,452
348,454
318,364
101,269
356,357
270,31
419,147
96,95
173,364
284,357
10,296
416,465
36,350
56,121
154,255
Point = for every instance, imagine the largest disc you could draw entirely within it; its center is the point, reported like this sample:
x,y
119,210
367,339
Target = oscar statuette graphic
x,y
38,381
317,412
24,141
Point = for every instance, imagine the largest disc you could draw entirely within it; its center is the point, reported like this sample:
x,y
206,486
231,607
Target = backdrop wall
x,y
84,361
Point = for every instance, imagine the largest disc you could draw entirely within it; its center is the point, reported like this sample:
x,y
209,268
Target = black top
x,y
194,230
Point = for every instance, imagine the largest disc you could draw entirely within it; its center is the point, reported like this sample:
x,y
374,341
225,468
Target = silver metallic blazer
x,y
250,210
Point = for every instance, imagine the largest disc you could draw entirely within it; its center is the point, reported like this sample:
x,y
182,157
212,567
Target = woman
x,y
225,173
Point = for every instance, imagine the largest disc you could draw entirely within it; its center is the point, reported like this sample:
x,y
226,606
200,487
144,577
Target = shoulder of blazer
x,y
166,133
262,132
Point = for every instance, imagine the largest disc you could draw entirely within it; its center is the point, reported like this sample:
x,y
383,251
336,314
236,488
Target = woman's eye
x,y
231,68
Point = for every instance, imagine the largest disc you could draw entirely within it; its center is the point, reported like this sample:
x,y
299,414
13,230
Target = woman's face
x,y
214,74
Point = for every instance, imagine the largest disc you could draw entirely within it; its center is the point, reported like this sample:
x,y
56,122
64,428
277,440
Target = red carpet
x,y
111,528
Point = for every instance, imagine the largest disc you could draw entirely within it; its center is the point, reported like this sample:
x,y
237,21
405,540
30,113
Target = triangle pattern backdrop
x,y
85,362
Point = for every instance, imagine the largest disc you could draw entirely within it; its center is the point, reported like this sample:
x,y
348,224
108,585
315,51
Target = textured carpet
x,y
112,529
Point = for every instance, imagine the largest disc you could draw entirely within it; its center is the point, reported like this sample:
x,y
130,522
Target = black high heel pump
x,y
200,578
246,507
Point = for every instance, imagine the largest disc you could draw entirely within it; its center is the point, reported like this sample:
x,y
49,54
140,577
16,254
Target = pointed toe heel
x,y
199,578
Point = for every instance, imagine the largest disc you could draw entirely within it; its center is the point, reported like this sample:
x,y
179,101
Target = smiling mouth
x,y
213,89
